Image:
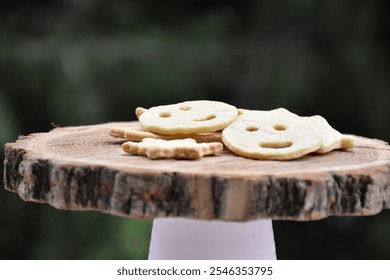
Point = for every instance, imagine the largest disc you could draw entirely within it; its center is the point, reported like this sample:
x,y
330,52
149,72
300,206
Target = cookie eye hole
x,y
252,128
280,127
185,108
208,118
165,114
275,145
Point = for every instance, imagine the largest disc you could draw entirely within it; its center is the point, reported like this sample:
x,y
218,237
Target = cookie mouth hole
x,y
165,114
276,145
252,128
280,127
185,108
208,118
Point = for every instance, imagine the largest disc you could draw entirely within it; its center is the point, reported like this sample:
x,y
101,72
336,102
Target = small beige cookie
x,y
171,149
188,117
270,135
136,133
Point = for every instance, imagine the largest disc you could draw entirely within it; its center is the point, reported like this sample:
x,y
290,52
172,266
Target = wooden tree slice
x,y
84,168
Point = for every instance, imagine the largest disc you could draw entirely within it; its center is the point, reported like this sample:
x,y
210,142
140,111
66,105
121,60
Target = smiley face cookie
x,y
270,135
188,117
281,135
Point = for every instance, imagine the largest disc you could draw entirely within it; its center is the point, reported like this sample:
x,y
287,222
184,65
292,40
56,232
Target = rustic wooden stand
x,y
84,168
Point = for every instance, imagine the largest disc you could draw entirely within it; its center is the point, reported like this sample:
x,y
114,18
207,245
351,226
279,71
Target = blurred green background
x,y
85,62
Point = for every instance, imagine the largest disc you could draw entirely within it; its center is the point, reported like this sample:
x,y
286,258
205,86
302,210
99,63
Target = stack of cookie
x,y
193,129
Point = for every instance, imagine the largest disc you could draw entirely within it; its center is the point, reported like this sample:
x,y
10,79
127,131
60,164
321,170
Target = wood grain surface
x,y
84,168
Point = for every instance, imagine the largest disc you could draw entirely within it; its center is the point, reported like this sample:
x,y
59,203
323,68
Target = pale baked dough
x,y
270,135
171,149
277,134
139,111
136,133
188,117
331,138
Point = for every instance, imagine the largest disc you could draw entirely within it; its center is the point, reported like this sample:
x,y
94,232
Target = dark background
x,y
86,62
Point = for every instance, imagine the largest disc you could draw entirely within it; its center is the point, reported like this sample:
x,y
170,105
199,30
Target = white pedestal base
x,y
186,239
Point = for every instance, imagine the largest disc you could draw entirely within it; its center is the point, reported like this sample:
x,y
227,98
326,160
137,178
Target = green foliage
x,y
90,235
7,131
